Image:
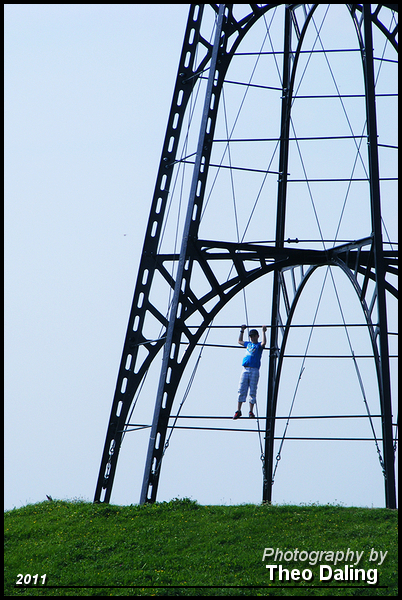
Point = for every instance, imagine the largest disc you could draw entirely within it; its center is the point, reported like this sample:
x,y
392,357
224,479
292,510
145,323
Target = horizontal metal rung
x,y
318,439
287,417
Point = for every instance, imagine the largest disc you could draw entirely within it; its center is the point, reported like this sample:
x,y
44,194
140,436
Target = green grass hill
x,y
180,548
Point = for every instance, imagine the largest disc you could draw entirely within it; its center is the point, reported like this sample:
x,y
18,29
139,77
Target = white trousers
x,y
248,383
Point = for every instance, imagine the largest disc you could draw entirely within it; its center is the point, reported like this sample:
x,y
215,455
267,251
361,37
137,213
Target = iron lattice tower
x,y
368,262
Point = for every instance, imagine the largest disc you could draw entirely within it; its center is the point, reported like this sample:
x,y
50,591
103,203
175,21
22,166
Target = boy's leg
x,y
242,391
254,377
243,387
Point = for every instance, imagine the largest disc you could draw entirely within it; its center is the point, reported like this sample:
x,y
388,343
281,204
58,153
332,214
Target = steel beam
x,y
131,375
375,201
280,235
155,454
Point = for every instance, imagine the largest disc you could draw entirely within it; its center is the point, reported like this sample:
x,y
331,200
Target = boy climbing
x,y
251,368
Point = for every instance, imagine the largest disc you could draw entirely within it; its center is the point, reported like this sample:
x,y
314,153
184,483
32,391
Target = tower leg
x,y
385,385
154,458
280,232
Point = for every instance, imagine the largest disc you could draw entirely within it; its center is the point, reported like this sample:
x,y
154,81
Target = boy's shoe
x,y
237,414
251,415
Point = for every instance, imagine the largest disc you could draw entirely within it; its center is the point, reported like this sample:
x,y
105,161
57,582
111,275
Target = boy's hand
x,y
264,328
240,340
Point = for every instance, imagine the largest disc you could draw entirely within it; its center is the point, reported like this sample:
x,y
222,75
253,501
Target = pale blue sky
x,y
87,95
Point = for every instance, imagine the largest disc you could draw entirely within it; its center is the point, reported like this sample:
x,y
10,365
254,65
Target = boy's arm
x,y
264,336
240,340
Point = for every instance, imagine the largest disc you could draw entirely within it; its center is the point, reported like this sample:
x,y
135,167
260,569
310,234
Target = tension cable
x,y
279,454
359,378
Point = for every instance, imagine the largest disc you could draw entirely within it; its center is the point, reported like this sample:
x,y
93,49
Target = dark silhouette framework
x,y
364,261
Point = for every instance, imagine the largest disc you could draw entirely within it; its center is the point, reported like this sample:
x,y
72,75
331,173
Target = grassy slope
x,y
184,544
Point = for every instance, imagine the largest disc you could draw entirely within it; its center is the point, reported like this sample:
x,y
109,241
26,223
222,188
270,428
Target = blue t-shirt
x,y
253,355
